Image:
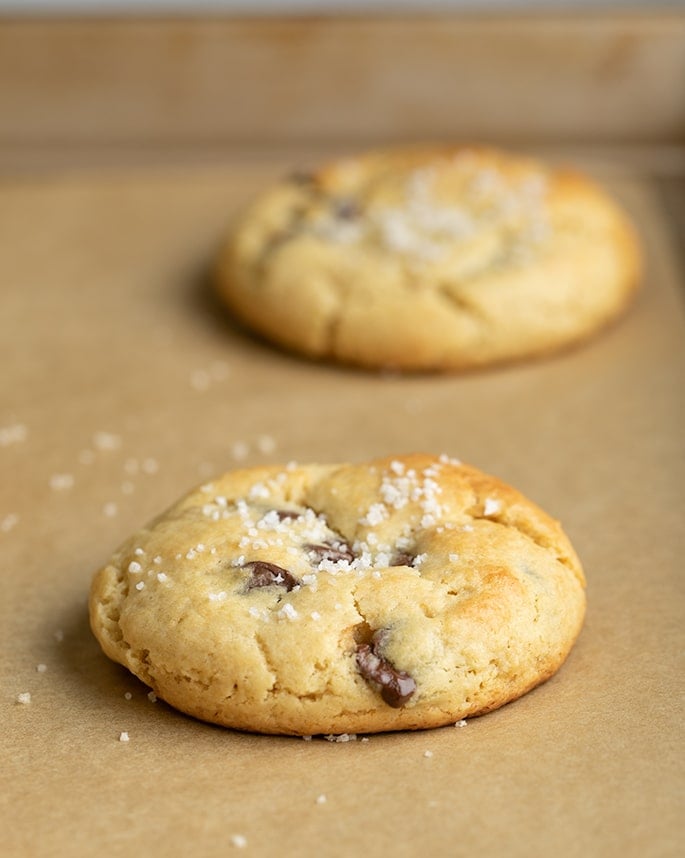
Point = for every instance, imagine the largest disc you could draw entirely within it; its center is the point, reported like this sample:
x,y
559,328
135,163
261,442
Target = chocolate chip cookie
x,y
429,259
403,593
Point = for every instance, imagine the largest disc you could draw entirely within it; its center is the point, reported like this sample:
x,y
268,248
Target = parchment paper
x,y
124,384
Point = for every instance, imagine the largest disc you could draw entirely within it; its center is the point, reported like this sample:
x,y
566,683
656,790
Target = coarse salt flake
x,y
134,567
460,723
239,841
321,799
288,611
377,513
140,585
123,736
162,577
24,698
491,506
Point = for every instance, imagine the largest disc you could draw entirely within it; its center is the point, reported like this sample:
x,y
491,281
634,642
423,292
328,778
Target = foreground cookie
x,y
424,259
399,594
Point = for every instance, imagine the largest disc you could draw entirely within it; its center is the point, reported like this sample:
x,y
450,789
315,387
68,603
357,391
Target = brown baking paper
x,y
124,384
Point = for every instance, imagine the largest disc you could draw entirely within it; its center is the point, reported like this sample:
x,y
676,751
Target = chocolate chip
x,y
267,574
346,209
287,514
301,177
334,551
396,686
403,559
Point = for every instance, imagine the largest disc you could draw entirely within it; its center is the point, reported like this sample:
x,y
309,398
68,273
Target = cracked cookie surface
x,y
429,259
404,593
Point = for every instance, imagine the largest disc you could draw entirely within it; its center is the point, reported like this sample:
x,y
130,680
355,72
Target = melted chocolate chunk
x,y
403,559
267,574
334,551
396,686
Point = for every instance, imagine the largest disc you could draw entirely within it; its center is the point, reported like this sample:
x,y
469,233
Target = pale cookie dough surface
x,y
404,593
429,259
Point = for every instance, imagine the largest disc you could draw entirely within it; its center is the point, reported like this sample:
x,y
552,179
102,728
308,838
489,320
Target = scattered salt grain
x,y
152,697
131,467
266,444
128,695
24,698
219,370
427,753
61,482
110,509
239,841
307,738
150,465
239,450
461,723
200,380
106,441
454,558
8,522
13,434
140,585
123,737
315,615
342,737
162,577
157,559
321,799
41,668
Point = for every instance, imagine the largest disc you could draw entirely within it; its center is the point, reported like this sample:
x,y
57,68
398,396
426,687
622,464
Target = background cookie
x,y
429,258
398,594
